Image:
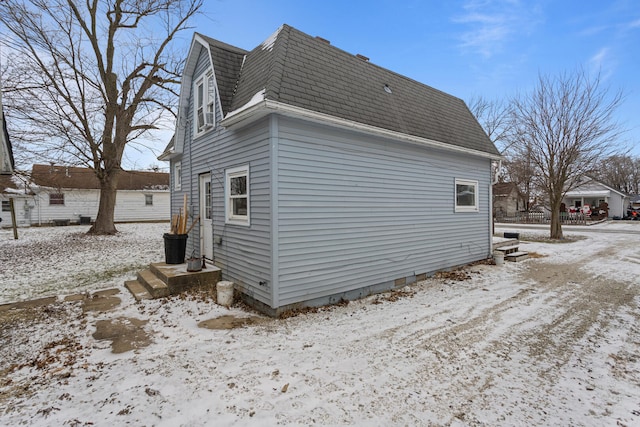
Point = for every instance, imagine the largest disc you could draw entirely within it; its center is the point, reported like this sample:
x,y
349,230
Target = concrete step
x,y
178,278
155,286
508,249
138,291
161,280
517,256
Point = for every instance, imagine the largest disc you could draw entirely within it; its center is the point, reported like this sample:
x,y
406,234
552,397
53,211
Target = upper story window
x,y
205,92
237,195
6,206
148,199
466,195
56,198
177,176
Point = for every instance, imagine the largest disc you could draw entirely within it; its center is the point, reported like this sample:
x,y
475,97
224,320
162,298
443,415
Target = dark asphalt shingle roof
x,y
307,72
228,63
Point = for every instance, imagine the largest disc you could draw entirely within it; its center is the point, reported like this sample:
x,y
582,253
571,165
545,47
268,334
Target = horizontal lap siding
x,y
355,212
131,206
244,254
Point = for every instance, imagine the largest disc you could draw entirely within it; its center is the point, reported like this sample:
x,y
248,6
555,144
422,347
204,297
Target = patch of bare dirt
x,y
231,322
125,333
101,301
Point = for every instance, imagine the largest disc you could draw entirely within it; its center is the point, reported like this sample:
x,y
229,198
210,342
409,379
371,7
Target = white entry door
x,y
206,217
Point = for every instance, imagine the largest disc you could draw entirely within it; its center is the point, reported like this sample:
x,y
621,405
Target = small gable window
x,y
6,206
56,199
466,195
148,199
237,195
205,92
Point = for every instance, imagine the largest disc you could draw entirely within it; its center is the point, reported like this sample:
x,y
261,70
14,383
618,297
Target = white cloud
x,y
633,24
602,62
491,24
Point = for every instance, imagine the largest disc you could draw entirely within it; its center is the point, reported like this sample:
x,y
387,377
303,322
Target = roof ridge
x,y
277,62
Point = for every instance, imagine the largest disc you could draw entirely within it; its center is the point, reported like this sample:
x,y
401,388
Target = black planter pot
x,y
175,246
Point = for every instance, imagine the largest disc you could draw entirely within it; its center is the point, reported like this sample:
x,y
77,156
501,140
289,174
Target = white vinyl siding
x,y
130,206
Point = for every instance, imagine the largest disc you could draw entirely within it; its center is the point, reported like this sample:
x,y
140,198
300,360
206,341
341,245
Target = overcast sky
x,y
488,48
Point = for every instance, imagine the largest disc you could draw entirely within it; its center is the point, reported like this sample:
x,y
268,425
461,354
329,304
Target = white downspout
x,y
492,228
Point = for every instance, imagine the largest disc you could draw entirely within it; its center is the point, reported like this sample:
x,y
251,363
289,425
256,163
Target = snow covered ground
x,y
554,340
46,261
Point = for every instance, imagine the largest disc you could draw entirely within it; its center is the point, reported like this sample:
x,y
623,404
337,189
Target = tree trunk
x,y
556,226
108,190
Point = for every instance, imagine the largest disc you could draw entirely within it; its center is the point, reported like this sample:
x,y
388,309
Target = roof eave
x,y
167,156
266,107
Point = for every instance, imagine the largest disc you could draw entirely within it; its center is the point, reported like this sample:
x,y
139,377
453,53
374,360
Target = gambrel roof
x,y
297,74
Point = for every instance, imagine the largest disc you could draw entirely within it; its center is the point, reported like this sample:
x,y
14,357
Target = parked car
x,y
633,214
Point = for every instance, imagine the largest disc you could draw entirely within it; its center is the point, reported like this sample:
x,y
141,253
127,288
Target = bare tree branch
x,y
87,77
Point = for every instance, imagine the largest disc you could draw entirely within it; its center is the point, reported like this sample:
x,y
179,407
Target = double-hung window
x,y
148,199
466,195
237,195
205,92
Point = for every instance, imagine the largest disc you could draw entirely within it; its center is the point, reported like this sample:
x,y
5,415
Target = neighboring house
x,y
594,193
634,201
319,176
9,183
71,193
506,200
12,187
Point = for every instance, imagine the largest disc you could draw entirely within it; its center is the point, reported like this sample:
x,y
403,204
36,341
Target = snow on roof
x,y
255,99
271,40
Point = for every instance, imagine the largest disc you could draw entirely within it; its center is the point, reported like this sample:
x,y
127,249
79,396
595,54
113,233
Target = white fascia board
x,y
166,156
587,193
197,43
267,106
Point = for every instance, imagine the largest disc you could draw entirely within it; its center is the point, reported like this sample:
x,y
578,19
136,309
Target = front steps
x,y
512,252
161,280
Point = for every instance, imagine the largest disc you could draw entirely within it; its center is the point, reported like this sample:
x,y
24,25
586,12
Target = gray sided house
x,y
320,176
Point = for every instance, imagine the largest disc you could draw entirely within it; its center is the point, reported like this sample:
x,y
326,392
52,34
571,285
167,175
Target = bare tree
x,y
522,172
85,78
495,119
621,172
565,124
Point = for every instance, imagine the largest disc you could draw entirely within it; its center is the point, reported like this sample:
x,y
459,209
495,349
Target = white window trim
x,y
230,218
177,176
207,81
475,207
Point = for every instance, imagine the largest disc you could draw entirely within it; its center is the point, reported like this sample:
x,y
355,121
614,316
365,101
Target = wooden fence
x,y
542,218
